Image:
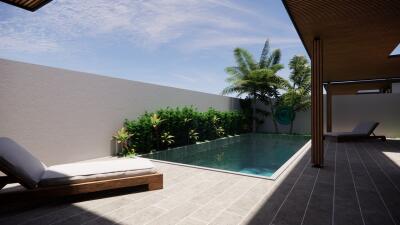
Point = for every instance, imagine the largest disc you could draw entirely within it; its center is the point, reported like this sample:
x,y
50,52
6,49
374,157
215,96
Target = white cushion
x,y
17,162
85,171
365,128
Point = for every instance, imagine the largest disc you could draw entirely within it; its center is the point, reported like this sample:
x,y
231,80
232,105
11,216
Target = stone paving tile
x,y
226,218
209,211
69,211
267,208
191,221
244,204
135,206
320,207
218,188
33,214
144,216
175,215
386,164
92,214
295,206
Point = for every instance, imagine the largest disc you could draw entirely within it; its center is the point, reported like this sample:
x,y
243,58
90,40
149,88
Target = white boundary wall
x,y
66,116
348,110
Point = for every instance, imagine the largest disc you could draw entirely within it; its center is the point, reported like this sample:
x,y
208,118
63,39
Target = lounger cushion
x,y
362,129
17,162
365,128
94,171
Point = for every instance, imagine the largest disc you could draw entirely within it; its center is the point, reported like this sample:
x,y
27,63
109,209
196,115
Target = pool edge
x,y
274,176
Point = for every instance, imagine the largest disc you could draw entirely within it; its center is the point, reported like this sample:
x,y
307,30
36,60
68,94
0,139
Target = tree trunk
x,y
291,128
273,117
254,113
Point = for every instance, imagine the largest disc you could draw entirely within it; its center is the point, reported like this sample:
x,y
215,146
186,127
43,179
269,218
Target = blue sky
x,y
179,43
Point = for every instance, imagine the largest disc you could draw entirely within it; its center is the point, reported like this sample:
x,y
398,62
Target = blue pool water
x,y
255,154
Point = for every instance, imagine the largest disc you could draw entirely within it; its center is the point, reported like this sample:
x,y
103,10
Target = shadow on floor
x,y
359,184
40,212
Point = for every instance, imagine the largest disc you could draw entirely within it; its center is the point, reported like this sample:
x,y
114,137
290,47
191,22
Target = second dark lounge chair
x,y
363,130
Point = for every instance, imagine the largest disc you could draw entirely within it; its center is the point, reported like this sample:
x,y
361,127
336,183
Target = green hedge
x,y
178,123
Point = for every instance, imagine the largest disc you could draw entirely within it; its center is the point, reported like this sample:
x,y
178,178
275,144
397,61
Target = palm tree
x,y
270,91
300,75
298,94
256,80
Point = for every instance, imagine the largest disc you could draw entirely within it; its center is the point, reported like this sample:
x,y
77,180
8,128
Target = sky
x,y
178,43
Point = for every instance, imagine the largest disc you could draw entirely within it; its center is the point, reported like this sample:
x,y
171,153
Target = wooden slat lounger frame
x,y
345,138
153,182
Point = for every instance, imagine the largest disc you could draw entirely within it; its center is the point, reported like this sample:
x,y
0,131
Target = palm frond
x,y
276,57
264,54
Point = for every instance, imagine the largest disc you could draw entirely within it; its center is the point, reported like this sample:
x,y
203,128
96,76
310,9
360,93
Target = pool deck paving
x,y
359,184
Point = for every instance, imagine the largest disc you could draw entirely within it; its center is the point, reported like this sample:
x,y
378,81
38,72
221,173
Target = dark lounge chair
x,y
363,130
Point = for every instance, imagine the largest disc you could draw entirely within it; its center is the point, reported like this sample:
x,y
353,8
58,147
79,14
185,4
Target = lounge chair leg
x,y
154,186
156,183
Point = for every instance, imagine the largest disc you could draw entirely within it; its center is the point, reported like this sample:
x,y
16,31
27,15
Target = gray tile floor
x,y
358,185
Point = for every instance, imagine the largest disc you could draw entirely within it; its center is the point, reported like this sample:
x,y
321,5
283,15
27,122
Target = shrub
x,y
181,126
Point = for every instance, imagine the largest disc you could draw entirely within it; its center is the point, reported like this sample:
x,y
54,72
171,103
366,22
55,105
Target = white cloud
x,y
144,22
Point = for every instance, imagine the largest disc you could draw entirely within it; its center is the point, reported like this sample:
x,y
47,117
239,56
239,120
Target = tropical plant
x,y
270,90
298,94
219,131
167,139
258,80
186,125
155,121
193,135
122,137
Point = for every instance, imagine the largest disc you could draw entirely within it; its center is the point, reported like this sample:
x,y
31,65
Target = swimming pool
x,y
251,154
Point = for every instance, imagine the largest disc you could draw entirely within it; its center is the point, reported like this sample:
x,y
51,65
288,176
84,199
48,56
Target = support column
x,y
328,108
317,123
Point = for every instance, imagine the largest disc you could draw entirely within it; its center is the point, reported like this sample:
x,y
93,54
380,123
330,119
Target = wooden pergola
x,y
348,41
31,5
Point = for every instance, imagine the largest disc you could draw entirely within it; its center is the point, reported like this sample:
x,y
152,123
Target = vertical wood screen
x,y
328,109
317,151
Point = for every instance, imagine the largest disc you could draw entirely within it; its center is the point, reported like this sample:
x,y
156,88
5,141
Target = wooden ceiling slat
x,y
358,35
31,5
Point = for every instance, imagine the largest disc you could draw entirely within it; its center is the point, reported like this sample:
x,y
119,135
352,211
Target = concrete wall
x,y
348,110
301,124
65,116
384,108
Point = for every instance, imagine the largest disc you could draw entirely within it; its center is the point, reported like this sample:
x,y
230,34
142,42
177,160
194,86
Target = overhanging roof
x,y
353,88
358,36
31,5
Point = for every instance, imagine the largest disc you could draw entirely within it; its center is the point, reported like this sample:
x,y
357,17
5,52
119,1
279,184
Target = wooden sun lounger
x,y
20,166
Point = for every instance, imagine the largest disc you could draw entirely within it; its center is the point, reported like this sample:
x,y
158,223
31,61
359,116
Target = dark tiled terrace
x,y
359,185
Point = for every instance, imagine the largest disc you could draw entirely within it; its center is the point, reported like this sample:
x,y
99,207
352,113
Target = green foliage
x,y
257,80
181,126
155,120
167,139
122,137
193,136
298,95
